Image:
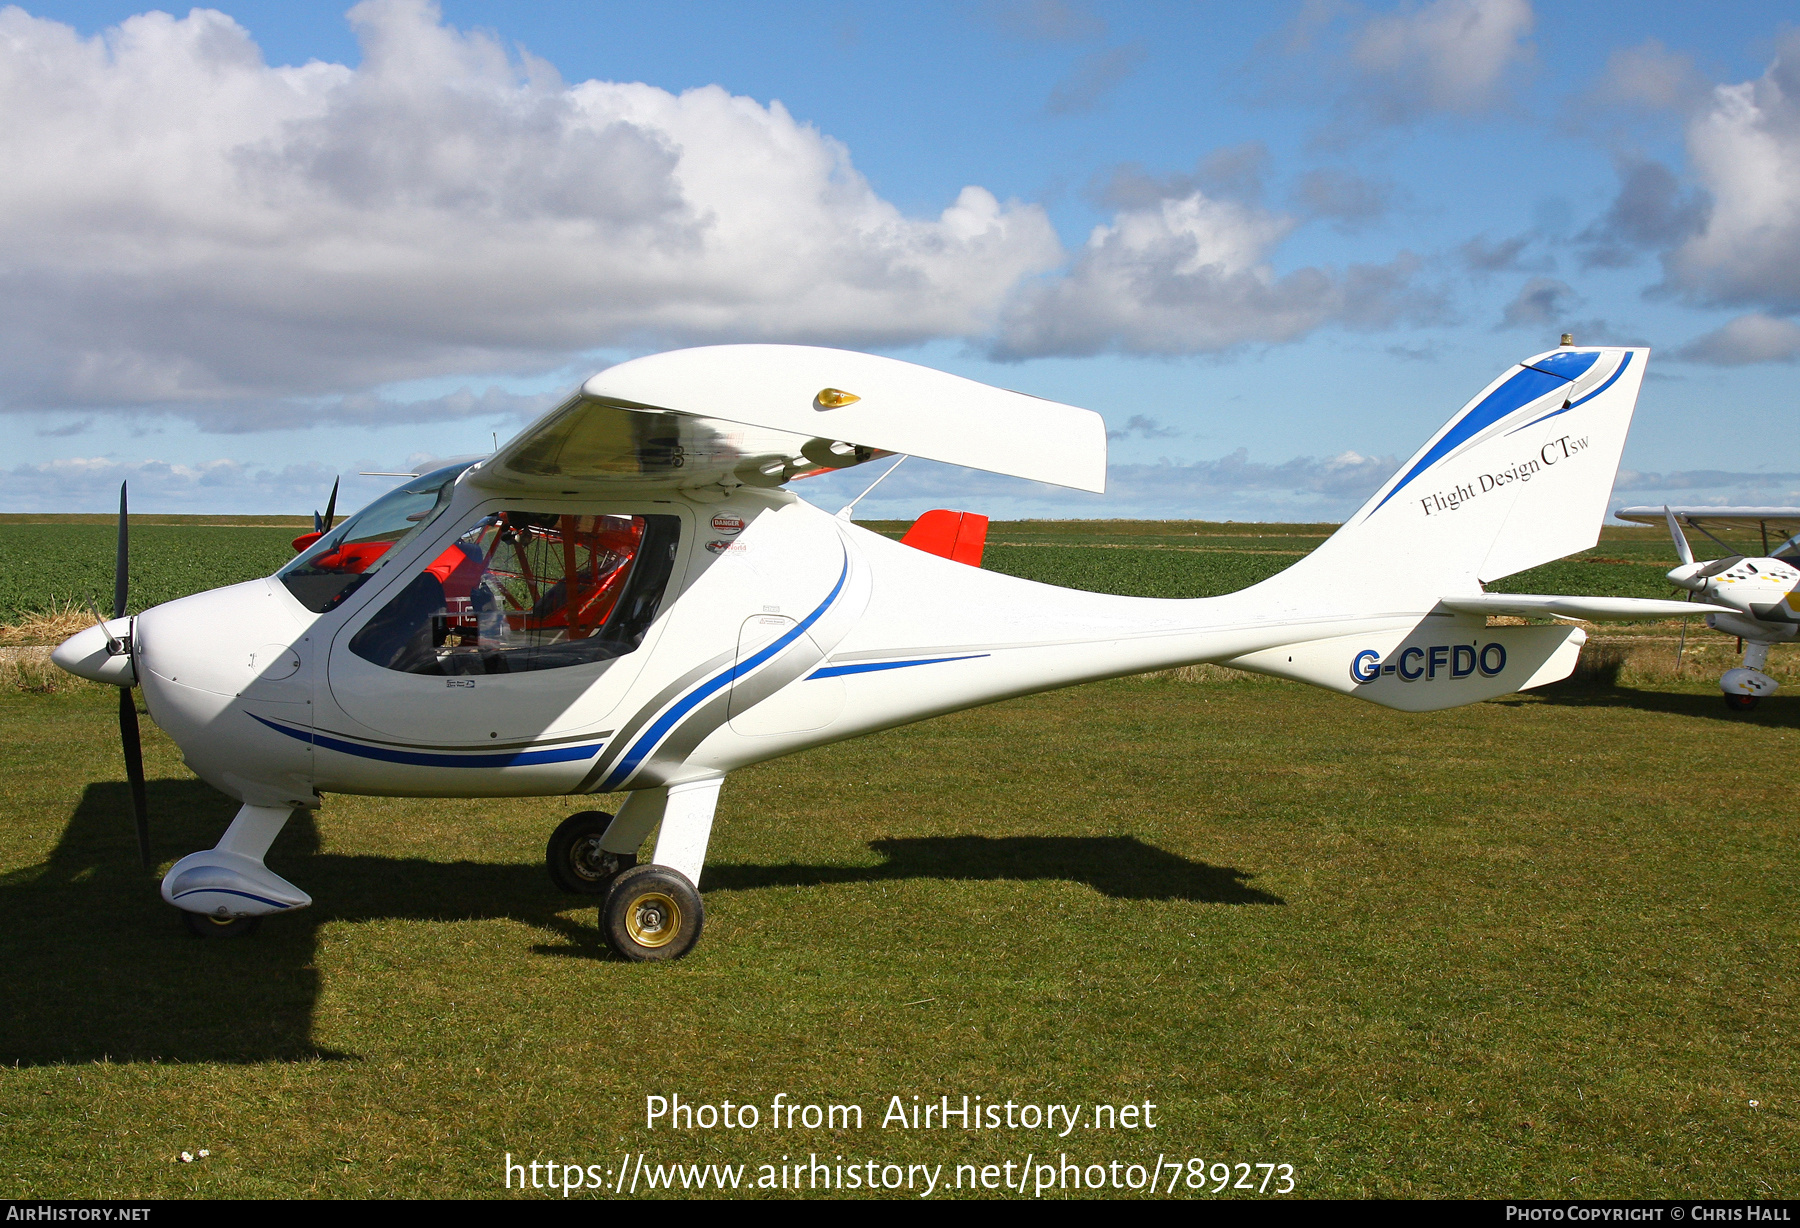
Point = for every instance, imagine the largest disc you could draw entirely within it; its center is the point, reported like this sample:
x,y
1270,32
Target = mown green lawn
x,y
1543,946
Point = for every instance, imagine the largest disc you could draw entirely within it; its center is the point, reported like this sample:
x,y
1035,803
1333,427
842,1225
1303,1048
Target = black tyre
x,y
652,912
1742,703
206,925
576,861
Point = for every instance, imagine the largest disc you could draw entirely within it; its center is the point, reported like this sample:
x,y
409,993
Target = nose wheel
x,y
205,925
1742,703
652,913
575,859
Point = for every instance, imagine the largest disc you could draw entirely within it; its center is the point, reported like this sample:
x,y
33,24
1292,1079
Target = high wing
x,y
1716,517
761,415
1589,609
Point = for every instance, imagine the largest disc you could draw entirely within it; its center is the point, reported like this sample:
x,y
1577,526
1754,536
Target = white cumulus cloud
x,y
181,222
1191,274
1449,55
1744,147
1747,339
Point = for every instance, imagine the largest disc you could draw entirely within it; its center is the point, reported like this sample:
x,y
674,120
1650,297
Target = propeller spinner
x,y
1693,575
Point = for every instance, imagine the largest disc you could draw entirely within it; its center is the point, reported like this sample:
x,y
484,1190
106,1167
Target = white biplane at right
x,y
1761,595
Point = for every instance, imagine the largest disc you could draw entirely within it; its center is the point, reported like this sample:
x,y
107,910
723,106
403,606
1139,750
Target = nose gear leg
x,y
642,810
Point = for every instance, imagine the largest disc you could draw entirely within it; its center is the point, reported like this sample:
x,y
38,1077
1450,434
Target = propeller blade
x,y
318,521
331,505
134,770
121,576
1685,551
1718,565
129,740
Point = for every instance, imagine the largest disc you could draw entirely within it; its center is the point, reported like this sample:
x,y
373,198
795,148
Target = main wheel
x,y
208,926
652,912
1742,703
576,861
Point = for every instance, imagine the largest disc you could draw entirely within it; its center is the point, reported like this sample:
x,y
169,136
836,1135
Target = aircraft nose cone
x,y
1687,576
88,654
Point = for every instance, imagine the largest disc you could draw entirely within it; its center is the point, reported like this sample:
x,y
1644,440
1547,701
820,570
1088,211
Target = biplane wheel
x,y
206,925
1742,703
652,913
576,861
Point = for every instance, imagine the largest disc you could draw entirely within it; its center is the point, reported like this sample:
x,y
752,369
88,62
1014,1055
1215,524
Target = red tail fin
x,y
959,536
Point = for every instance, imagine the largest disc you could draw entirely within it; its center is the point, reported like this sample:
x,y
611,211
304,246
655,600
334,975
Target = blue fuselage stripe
x,y
836,671
687,703
387,754
229,891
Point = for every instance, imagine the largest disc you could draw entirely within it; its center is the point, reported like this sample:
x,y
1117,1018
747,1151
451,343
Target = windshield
x,y
326,572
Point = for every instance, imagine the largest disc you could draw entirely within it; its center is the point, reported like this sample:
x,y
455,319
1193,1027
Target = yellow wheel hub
x,y
653,919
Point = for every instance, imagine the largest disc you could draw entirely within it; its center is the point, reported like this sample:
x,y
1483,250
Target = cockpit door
x,y
528,624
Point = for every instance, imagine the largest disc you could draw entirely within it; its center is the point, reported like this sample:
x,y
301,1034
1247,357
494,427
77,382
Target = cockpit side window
x,y
323,575
521,591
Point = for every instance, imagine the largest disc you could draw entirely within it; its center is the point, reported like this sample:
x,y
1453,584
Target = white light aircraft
x,y
1755,599
625,599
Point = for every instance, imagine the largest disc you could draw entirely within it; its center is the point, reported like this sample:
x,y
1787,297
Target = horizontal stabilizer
x,y
958,536
1590,609
1440,663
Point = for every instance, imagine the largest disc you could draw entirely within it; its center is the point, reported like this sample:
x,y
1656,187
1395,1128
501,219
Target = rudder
x,y
1519,477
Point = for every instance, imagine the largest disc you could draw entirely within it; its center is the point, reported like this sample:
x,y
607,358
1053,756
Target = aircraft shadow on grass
x,y
104,970
1123,867
1777,711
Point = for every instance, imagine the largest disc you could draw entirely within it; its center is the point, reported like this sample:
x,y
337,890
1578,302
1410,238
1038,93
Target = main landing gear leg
x,y
225,891
653,912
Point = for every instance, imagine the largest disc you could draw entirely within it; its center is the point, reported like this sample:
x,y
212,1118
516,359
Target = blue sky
x,y
1276,246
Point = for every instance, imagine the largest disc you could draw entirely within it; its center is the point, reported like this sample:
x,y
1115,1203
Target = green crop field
x,y
46,563
1519,948
44,560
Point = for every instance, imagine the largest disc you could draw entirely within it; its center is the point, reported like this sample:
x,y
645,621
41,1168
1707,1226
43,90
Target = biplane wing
x,y
761,415
1715,517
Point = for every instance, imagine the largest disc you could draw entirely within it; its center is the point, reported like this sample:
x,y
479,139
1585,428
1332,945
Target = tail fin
x,y
1520,476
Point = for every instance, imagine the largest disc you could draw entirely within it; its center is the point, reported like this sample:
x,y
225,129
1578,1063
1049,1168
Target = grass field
x,y
1538,946
62,559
